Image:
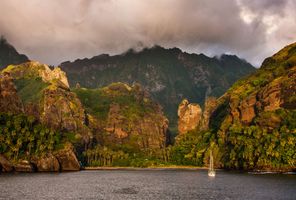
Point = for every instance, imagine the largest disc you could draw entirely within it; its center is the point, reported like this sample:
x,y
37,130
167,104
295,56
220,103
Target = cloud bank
x,y
53,31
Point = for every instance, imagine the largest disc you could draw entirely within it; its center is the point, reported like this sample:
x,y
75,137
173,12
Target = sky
x,y
53,31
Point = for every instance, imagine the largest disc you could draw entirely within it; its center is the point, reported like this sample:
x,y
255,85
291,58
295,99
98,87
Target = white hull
x,y
212,173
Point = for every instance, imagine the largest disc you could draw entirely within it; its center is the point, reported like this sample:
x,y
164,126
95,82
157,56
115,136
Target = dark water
x,y
146,184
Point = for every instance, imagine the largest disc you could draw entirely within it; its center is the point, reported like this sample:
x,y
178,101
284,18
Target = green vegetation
x,y
191,148
103,156
271,68
30,90
256,147
97,101
22,137
120,156
243,147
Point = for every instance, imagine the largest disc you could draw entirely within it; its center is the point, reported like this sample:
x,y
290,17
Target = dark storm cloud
x,y
54,31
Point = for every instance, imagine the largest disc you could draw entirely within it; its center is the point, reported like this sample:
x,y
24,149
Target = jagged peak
x,y
33,69
9,55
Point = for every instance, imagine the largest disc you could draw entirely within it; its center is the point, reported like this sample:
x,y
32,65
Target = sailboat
x,y
211,171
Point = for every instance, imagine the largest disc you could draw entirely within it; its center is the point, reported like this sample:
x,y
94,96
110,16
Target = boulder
x,y
67,159
24,166
48,163
5,165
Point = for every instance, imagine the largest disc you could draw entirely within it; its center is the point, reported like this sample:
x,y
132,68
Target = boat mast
x,y
211,161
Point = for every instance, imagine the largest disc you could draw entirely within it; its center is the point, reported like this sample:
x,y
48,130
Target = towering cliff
x,y
45,94
32,89
8,54
169,75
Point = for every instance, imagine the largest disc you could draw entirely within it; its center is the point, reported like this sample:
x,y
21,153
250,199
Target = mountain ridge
x,y
9,55
167,74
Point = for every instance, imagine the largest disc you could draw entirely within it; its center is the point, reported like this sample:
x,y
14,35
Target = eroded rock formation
x,y
190,115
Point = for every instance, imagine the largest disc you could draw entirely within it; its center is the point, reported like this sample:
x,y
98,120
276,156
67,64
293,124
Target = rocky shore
x,y
60,161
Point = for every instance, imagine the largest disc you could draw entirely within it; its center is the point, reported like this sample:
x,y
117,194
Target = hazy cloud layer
x,y
53,31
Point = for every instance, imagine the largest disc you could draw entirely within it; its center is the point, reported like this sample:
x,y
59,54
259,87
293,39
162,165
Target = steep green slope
x,y
169,75
8,54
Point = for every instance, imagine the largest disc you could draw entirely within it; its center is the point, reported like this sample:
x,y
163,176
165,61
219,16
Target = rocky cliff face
x,y
169,75
209,108
8,54
125,115
61,160
62,110
192,117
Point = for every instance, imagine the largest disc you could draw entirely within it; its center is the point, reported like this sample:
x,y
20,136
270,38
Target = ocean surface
x,y
147,184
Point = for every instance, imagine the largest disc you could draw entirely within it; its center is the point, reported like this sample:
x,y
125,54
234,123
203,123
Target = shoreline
x,y
146,168
189,168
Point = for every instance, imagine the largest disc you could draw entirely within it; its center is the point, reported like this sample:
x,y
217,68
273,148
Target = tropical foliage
x,y
97,101
243,147
120,156
22,137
